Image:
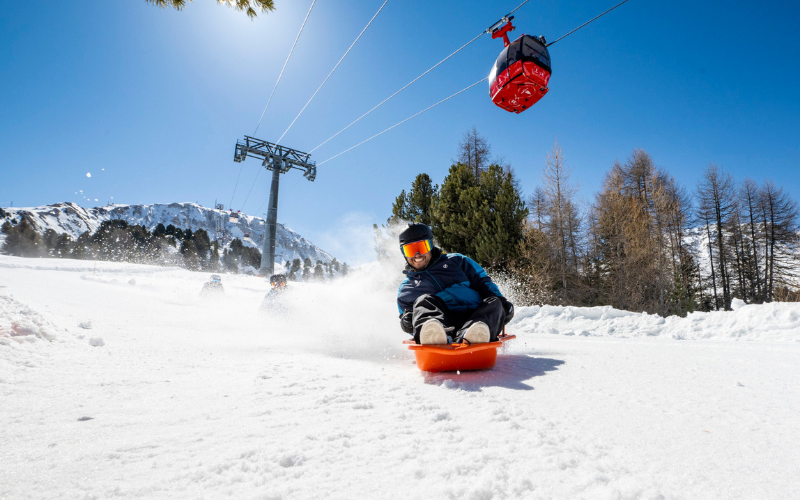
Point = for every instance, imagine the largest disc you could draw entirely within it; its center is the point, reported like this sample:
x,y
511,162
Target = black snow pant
x,y
428,307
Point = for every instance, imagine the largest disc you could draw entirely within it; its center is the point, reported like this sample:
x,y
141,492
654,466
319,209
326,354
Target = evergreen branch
x,y
247,6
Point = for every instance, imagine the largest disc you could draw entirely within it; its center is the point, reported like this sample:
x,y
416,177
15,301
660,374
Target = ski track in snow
x,y
192,398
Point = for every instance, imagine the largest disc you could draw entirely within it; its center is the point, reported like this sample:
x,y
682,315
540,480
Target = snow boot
x,y
477,333
432,332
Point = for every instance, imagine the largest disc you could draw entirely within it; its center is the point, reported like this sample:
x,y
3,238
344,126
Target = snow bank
x,y
767,322
28,339
20,323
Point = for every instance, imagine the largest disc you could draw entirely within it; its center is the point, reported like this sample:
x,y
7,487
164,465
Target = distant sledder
x,y
451,307
213,287
273,301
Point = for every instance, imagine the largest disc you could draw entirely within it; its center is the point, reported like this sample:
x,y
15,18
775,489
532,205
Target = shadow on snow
x,y
511,372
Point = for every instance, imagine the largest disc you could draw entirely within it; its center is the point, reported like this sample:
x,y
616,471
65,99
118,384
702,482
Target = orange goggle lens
x,y
421,247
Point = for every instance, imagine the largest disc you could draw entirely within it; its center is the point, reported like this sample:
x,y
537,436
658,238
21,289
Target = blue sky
x,y
152,101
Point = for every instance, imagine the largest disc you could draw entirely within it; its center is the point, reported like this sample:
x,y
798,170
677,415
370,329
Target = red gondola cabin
x,y
520,74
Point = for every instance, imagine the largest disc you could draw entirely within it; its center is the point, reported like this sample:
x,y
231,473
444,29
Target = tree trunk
x,y
713,276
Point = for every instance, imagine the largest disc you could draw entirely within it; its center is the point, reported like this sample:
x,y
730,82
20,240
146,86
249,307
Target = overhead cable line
x,y
400,123
488,30
230,205
587,22
251,188
269,101
334,69
284,66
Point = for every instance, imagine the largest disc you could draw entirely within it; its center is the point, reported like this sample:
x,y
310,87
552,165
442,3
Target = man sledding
x,y
213,287
274,300
447,298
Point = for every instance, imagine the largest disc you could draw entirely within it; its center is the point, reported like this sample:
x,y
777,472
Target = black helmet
x,y
277,278
415,232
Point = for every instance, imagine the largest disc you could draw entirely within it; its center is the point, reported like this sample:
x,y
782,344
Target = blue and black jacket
x,y
456,279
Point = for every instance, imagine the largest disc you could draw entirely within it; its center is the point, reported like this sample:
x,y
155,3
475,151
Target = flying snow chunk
x,y
88,174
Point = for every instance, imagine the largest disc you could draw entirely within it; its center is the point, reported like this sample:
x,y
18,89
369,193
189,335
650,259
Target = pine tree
x,y
249,7
780,230
83,247
191,257
455,204
420,199
499,218
230,261
319,272
417,204
561,221
296,266
717,202
474,151
23,241
49,239
63,246
399,209
214,260
749,199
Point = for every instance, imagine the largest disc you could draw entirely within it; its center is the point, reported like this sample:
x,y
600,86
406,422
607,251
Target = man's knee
x,y
493,303
421,299
429,301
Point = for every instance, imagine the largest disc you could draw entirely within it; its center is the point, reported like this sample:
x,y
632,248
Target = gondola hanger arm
x,y
503,32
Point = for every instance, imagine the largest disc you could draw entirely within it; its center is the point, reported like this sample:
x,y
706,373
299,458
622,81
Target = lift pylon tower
x,y
278,159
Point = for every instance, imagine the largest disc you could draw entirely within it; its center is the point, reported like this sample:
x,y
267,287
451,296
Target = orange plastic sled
x,y
453,357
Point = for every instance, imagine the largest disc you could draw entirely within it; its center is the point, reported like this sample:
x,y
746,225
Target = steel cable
x,y
415,79
334,69
587,22
284,66
402,89
400,123
280,75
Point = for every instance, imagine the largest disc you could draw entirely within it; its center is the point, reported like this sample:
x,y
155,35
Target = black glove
x,y
406,322
509,309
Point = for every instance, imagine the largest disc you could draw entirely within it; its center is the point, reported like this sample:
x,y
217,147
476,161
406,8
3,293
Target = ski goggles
x,y
417,247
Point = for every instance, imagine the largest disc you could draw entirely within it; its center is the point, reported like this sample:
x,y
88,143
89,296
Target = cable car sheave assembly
x,y
279,159
518,80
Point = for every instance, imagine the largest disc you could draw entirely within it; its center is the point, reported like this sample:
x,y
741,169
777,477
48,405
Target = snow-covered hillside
x,y
121,382
74,220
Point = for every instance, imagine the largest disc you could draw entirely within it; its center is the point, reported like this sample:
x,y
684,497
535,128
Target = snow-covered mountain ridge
x,y
74,220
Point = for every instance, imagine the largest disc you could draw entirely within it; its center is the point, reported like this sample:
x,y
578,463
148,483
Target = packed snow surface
x,y
121,382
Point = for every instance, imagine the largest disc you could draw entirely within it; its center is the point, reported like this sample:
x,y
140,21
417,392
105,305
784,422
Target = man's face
x,y
419,261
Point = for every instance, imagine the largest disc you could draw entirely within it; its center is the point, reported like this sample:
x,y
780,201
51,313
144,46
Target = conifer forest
x,y
643,243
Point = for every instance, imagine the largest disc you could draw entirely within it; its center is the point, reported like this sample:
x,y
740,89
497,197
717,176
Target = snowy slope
x,y
170,396
74,220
